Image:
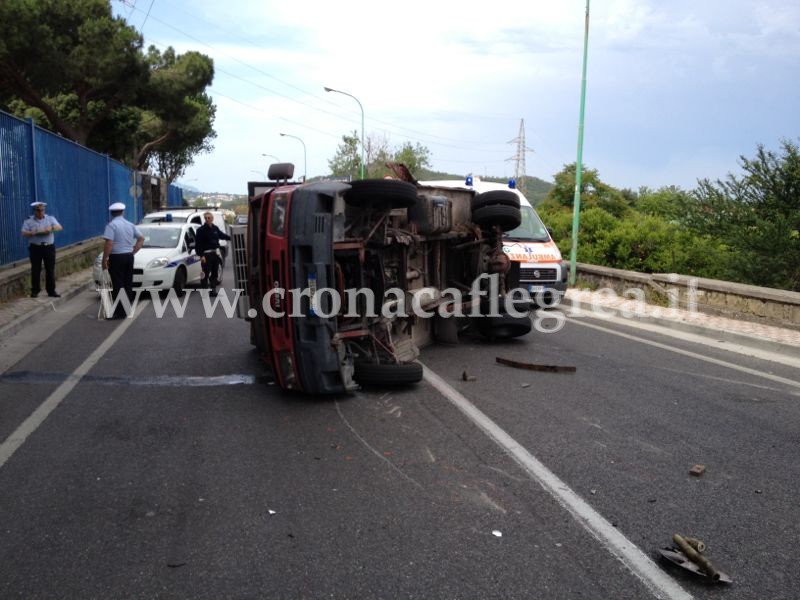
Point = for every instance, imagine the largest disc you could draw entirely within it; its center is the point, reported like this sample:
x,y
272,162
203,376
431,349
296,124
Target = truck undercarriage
x,y
345,282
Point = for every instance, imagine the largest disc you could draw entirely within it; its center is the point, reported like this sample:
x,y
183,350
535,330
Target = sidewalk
x,y
14,315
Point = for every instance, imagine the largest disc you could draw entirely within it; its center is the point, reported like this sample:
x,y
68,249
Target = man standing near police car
x,y
39,230
206,246
123,240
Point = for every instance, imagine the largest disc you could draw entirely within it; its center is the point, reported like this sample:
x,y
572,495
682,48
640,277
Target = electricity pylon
x,y
519,157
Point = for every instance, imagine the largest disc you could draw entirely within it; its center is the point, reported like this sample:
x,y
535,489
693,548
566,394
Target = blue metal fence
x,y
77,184
174,197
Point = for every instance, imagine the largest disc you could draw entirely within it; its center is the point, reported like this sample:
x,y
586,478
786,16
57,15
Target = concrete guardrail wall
x,y
780,308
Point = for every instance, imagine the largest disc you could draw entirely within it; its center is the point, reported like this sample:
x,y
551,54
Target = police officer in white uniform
x,y
123,240
39,230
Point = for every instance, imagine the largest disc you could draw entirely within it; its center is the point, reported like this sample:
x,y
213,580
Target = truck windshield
x,y
531,229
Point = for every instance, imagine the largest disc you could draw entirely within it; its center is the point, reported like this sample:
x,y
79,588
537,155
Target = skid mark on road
x,y
658,582
373,450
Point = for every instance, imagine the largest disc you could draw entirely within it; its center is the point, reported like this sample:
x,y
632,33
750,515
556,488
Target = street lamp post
x,y
272,156
327,89
263,177
576,203
304,152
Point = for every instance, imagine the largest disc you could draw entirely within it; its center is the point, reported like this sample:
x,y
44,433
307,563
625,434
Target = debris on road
x,y
697,470
466,377
535,367
688,556
525,385
698,545
497,533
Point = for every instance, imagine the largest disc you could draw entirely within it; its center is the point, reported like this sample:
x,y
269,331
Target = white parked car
x,y
166,260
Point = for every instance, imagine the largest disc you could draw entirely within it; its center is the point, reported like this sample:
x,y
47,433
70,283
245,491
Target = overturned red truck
x,y
344,282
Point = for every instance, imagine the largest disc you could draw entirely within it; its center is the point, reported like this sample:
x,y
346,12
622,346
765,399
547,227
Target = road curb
x,y
18,323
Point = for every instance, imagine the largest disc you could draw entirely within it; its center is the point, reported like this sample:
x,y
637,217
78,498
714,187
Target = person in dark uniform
x,y
39,230
206,245
123,240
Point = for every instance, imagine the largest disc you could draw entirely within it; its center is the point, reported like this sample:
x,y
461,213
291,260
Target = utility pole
x,y
576,203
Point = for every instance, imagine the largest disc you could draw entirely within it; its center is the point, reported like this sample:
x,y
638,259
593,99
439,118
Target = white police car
x,y
191,215
165,261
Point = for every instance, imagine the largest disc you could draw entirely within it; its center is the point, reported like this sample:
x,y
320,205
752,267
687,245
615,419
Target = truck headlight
x,y
287,369
157,263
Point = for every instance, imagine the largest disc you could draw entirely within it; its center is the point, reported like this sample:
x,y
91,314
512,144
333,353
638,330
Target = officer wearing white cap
x,y
123,240
39,229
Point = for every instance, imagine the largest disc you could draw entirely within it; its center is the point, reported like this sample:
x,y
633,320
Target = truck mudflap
x,y
321,364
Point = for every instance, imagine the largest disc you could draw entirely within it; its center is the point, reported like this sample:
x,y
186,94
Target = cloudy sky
x,y
676,91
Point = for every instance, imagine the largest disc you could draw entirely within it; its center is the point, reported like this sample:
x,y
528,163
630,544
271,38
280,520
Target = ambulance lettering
x,y
532,253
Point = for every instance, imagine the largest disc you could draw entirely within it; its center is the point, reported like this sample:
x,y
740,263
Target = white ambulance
x,y
536,262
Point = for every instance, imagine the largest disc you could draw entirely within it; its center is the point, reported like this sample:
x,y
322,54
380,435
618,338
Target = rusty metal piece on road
x,y
690,559
697,470
466,377
535,367
698,545
678,558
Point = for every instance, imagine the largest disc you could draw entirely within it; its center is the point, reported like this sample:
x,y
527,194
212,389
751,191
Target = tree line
x,y
743,228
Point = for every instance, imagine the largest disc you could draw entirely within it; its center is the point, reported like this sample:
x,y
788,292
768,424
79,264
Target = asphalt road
x,y
170,466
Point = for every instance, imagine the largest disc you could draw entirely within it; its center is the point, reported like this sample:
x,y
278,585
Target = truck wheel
x,y
179,284
381,194
503,327
495,197
505,217
391,374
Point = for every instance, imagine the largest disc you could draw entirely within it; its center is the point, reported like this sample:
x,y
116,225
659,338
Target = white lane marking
x,y
695,338
658,582
37,417
689,353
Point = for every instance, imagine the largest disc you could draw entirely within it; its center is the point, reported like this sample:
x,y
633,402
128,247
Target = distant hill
x,y
188,190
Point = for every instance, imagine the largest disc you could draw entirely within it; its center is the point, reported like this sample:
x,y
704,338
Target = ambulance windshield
x,y
530,230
